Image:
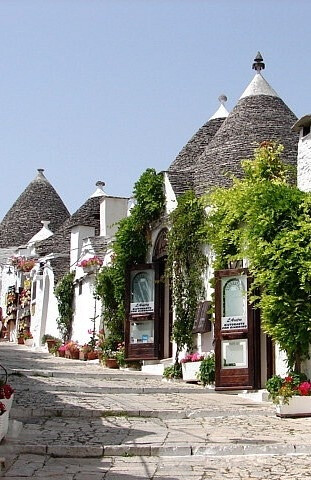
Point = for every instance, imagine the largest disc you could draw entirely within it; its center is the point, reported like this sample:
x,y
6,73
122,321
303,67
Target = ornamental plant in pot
x,y
90,264
206,373
191,366
28,339
291,395
6,395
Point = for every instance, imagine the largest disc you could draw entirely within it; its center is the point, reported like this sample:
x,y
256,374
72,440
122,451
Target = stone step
x,y
24,414
153,450
113,374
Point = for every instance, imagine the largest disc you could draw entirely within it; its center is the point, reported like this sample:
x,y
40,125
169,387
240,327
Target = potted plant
x,y
206,373
6,395
28,339
61,350
190,366
172,372
291,395
4,420
25,264
120,355
90,264
72,350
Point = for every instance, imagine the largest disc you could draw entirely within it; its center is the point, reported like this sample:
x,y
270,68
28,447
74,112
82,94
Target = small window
x,y
305,130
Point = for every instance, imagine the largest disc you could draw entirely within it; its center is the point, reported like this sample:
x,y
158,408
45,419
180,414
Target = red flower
x,y
304,388
288,379
6,391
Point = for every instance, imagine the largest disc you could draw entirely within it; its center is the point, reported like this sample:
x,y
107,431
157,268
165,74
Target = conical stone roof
x,y
38,202
260,115
88,215
181,171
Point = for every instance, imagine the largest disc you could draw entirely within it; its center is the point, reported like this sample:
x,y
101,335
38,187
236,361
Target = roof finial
x,y
100,183
222,98
258,63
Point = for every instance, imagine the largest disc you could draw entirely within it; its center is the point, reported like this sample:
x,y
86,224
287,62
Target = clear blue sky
x,y
102,89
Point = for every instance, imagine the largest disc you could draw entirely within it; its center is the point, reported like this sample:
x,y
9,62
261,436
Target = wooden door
x,y
237,333
142,317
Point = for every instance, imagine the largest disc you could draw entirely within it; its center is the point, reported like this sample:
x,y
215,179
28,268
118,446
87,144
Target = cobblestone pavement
x,y
77,420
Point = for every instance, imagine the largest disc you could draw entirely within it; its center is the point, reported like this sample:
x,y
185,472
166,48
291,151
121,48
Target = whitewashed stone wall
x,y
304,163
85,308
44,307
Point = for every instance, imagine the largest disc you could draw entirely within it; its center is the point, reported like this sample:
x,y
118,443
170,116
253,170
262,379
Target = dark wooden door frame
x,y
239,378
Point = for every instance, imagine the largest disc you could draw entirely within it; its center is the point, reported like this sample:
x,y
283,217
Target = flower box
x,y
190,370
7,402
298,406
4,424
29,342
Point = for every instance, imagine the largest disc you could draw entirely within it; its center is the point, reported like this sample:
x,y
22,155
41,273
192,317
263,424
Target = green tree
x,y
129,248
265,218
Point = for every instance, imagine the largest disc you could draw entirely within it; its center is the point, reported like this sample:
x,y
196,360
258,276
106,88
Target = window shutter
x,y
202,322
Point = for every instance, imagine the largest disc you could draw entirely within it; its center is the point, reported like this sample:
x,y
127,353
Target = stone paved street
x,y
77,420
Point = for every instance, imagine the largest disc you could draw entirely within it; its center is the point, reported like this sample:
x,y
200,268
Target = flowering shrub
x,y
282,389
90,262
192,357
2,408
6,391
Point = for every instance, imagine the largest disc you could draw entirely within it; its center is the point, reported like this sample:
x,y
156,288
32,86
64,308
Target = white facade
x,y
304,162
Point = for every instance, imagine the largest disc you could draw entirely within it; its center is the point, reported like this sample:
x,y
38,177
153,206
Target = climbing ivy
x,y
185,265
64,292
130,247
267,220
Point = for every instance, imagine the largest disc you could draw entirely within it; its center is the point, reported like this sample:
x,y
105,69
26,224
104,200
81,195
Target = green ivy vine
x,y
185,266
266,219
64,292
130,247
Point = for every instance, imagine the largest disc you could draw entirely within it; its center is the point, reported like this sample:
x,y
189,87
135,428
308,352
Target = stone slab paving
x,y
81,421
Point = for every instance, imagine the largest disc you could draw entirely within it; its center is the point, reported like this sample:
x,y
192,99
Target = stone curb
x,y
97,451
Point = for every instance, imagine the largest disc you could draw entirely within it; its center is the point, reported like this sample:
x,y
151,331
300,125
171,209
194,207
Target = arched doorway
x,y
159,258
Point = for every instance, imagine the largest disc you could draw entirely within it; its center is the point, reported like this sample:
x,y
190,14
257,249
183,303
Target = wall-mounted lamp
x,y
9,272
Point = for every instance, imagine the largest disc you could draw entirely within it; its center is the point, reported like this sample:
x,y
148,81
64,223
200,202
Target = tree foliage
x,y
267,220
130,247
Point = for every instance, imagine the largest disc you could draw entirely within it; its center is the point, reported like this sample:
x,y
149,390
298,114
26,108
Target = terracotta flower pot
x,y
50,343
20,341
111,363
92,355
75,354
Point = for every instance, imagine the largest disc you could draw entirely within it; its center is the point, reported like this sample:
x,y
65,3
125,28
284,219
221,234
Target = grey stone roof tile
x,y
253,120
181,171
39,201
